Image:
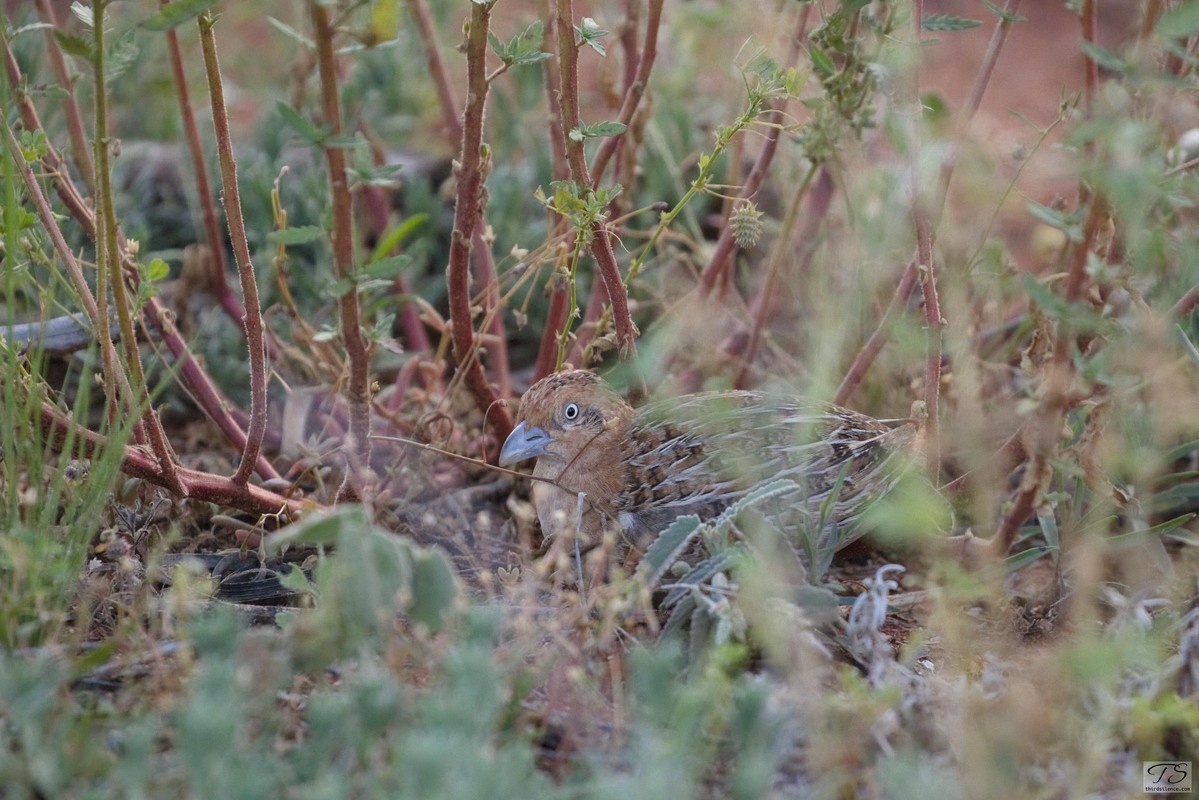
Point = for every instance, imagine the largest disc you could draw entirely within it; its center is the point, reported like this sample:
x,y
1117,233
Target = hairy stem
x,y
66,436
108,264
206,394
601,239
75,128
241,253
358,389
468,213
218,284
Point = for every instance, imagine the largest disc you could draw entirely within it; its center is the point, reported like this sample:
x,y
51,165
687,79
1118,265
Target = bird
x,y
600,463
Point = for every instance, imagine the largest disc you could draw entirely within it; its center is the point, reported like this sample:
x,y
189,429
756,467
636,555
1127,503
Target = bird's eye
x,y
571,412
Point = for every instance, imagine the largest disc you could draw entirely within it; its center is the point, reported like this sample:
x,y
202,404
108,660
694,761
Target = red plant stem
x,y
358,388
110,264
445,92
874,344
907,282
555,323
632,97
928,273
628,41
936,324
717,273
553,86
985,70
75,128
213,402
218,283
1043,431
601,240
194,484
818,205
497,347
481,256
216,406
241,253
468,214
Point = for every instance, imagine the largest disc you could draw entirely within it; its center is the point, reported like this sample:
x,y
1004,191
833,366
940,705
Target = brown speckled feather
x,y
700,453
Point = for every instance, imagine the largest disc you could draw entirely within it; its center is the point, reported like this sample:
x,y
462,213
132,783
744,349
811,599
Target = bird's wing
x,y
699,453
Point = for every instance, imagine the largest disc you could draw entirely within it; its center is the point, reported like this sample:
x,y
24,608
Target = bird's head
x,y
565,415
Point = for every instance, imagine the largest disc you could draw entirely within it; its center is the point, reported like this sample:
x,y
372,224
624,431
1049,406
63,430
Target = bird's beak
x,y
524,443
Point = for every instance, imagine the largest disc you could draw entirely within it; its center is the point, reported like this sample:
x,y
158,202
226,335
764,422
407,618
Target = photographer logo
x,y
1165,777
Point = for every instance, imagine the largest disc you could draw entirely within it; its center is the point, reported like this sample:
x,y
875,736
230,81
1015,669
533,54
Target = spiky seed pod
x,y
747,225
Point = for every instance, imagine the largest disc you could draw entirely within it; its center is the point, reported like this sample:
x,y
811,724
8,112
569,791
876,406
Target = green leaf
x,y
318,529
75,44
1067,223
34,145
1057,308
525,47
384,175
296,581
606,128
1003,14
1179,22
305,129
434,586
819,605
1157,530
498,48
678,618
590,34
821,63
121,56
387,268
291,33
396,235
157,270
337,290
176,13
1048,523
347,141
666,549
597,130
385,19
372,575
302,234
944,22
1105,58
1024,558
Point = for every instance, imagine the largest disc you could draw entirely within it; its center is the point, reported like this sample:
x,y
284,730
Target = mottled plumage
x,y
695,455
